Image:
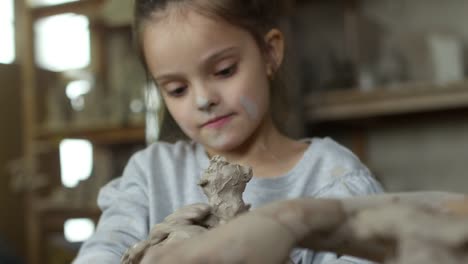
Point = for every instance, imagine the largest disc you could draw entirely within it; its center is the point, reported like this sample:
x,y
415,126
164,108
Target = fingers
x,y
246,239
189,214
179,226
160,232
181,233
185,216
135,253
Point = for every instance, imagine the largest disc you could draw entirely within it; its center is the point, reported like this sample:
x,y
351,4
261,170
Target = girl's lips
x,y
218,122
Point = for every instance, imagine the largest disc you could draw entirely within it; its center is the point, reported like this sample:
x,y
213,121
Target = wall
x,y
427,154
401,16
11,209
416,155
422,155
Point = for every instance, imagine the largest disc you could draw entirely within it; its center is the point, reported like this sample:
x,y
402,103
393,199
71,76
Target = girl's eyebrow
x,y
217,54
207,61
169,76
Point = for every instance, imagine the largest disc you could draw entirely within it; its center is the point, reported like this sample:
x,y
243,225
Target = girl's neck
x,y
267,151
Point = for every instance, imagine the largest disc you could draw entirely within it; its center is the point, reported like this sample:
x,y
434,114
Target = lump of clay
x,y
405,228
416,235
223,183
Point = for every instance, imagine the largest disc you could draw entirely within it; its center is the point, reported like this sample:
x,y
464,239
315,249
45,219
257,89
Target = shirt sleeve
x,y
124,219
355,183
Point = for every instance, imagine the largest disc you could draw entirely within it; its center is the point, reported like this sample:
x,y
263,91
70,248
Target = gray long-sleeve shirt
x,y
163,177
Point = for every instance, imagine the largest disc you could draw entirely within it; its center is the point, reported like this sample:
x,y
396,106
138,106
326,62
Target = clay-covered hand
x,y
264,235
184,223
249,238
383,228
187,222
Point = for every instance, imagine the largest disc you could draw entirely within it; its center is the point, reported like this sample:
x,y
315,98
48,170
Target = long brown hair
x,y
254,16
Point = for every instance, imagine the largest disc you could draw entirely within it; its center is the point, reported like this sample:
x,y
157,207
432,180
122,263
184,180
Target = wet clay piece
x,y
415,235
405,228
223,183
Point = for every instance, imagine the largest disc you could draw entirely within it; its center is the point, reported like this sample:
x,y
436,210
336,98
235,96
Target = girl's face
x,y
212,75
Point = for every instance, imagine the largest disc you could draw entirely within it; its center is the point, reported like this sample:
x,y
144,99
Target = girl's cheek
x,y
188,130
250,107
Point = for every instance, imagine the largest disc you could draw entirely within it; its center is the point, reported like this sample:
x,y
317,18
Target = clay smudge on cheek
x,y
250,107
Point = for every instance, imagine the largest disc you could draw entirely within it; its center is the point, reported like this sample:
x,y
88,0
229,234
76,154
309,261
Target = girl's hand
x,y
265,235
253,237
184,223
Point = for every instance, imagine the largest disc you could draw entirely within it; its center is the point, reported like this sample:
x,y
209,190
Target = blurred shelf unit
x,y
86,7
354,104
112,143
50,219
104,135
63,212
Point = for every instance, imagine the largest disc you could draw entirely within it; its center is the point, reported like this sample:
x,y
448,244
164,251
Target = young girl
x,y
215,63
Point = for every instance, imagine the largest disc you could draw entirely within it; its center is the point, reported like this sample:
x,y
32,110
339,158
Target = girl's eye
x,y
178,92
227,72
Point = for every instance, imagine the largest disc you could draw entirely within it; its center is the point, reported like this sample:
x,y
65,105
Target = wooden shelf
x,y
404,99
85,7
67,211
53,216
98,135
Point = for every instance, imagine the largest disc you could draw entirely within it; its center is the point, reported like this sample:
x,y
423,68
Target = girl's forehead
x,y
182,17
190,26
169,43
180,13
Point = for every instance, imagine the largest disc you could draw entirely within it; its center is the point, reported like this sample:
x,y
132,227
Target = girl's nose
x,y
204,104
206,99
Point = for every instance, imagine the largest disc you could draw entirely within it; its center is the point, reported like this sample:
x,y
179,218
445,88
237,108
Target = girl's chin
x,y
222,143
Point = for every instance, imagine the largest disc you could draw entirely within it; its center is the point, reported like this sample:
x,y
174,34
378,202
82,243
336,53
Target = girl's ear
x,y
274,40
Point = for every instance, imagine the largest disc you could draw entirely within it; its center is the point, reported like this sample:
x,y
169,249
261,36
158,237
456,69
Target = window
x,y
48,2
78,230
7,31
73,172
63,42
75,91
